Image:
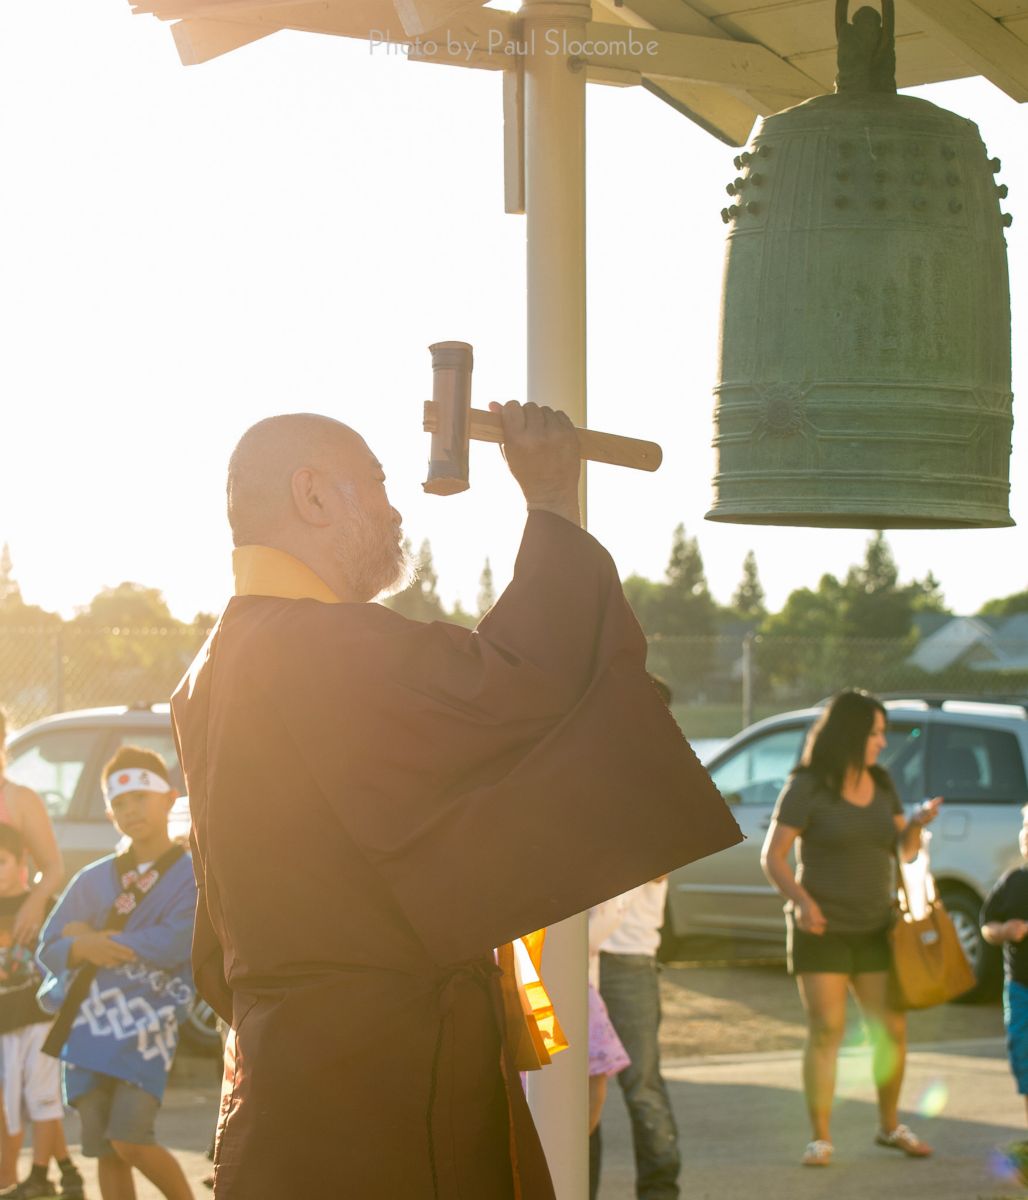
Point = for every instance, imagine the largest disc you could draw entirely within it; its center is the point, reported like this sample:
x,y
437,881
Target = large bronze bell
x,y
865,335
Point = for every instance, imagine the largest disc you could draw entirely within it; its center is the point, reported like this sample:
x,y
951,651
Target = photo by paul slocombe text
x,y
552,41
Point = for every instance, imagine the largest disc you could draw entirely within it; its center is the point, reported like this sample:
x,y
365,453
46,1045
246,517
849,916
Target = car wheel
x,y
964,908
199,1031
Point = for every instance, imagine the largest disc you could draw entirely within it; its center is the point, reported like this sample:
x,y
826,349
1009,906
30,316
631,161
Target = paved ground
x,y
732,1035
731,1042
743,1128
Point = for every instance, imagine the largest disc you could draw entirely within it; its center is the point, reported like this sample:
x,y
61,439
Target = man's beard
x,y
372,557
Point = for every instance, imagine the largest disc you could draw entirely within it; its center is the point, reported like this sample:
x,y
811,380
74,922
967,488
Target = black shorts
x,y
836,953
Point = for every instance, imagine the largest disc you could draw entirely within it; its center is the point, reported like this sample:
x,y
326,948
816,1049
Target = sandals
x,y
818,1153
903,1139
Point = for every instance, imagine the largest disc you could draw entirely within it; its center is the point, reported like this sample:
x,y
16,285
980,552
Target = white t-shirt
x,y
642,915
603,918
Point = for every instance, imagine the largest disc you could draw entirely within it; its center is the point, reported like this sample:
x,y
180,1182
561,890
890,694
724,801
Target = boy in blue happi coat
x,y
116,948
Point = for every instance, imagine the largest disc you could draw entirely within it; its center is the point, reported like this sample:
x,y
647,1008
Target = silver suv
x,y
61,758
971,752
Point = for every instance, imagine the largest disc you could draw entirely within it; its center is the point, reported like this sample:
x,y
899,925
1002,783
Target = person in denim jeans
x,y
1004,922
630,989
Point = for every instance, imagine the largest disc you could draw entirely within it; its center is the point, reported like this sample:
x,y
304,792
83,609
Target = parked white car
x,y
971,752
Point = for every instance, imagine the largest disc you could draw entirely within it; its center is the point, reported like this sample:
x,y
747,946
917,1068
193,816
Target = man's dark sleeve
x,y
502,779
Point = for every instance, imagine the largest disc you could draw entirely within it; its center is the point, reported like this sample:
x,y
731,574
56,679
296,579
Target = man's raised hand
x,y
541,448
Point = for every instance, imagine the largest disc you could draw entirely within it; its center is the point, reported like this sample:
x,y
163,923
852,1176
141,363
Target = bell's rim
x,y
733,515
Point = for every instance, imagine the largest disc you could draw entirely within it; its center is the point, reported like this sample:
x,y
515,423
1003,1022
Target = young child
x,y
1004,922
31,1080
117,951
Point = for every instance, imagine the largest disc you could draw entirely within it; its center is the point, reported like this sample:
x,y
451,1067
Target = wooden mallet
x,y
453,424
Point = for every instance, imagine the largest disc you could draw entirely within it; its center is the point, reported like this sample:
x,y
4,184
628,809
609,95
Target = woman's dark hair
x,y
838,738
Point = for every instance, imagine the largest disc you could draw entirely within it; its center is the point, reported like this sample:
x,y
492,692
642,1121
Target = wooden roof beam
x,y
420,16
198,41
726,116
229,10
979,40
741,66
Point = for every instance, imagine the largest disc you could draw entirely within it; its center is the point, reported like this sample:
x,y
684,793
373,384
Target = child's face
x,y
142,816
11,880
1022,837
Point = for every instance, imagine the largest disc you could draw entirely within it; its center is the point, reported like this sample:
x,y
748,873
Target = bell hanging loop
x,y
867,48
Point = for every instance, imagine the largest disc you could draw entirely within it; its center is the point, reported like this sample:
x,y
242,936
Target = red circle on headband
x,y
123,779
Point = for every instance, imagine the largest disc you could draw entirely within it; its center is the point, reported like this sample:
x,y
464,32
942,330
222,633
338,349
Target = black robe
x,y
377,803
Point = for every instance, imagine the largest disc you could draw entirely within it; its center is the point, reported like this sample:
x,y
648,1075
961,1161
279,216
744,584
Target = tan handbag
x,y
929,965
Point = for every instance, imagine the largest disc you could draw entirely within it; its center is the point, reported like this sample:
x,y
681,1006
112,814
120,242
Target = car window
x,y
976,764
756,772
53,765
904,759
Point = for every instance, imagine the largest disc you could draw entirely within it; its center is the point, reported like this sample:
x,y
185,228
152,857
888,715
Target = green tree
x,y
874,605
1005,606
10,592
799,646
685,607
644,596
926,595
486,590
680,615
14,612
29,651
125,647
458,616
420,601
748,599
129,605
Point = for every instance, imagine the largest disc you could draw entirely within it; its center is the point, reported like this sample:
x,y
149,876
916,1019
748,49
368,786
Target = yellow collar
x,y
265,571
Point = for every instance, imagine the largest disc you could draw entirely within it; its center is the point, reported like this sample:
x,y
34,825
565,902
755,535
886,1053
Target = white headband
x,y
133,779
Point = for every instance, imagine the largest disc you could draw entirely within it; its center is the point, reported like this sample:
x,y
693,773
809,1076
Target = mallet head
x,y
452,364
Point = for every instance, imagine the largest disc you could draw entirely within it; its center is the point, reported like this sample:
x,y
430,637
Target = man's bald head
x,y
262,466
309,485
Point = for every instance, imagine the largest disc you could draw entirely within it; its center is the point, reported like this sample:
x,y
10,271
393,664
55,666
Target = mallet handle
x,y
484,426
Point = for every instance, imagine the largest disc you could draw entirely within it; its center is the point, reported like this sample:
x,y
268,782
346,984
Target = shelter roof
x,y
722,63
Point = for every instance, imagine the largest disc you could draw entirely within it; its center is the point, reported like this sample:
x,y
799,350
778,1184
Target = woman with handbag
x,y
843,815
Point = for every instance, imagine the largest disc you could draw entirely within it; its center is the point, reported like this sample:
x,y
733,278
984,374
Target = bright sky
x,y
185,251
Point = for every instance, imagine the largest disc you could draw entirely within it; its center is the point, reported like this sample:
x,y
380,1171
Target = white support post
x,y
554,131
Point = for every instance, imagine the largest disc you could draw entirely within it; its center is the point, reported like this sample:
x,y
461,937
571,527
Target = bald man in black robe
x,y
378,803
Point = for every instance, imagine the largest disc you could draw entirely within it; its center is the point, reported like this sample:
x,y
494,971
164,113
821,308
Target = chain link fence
x,y
720,684
53,668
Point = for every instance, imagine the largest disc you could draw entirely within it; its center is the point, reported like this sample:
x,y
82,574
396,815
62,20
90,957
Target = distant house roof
x,y
950,643
994,644
926,623
1015,626
1009,646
